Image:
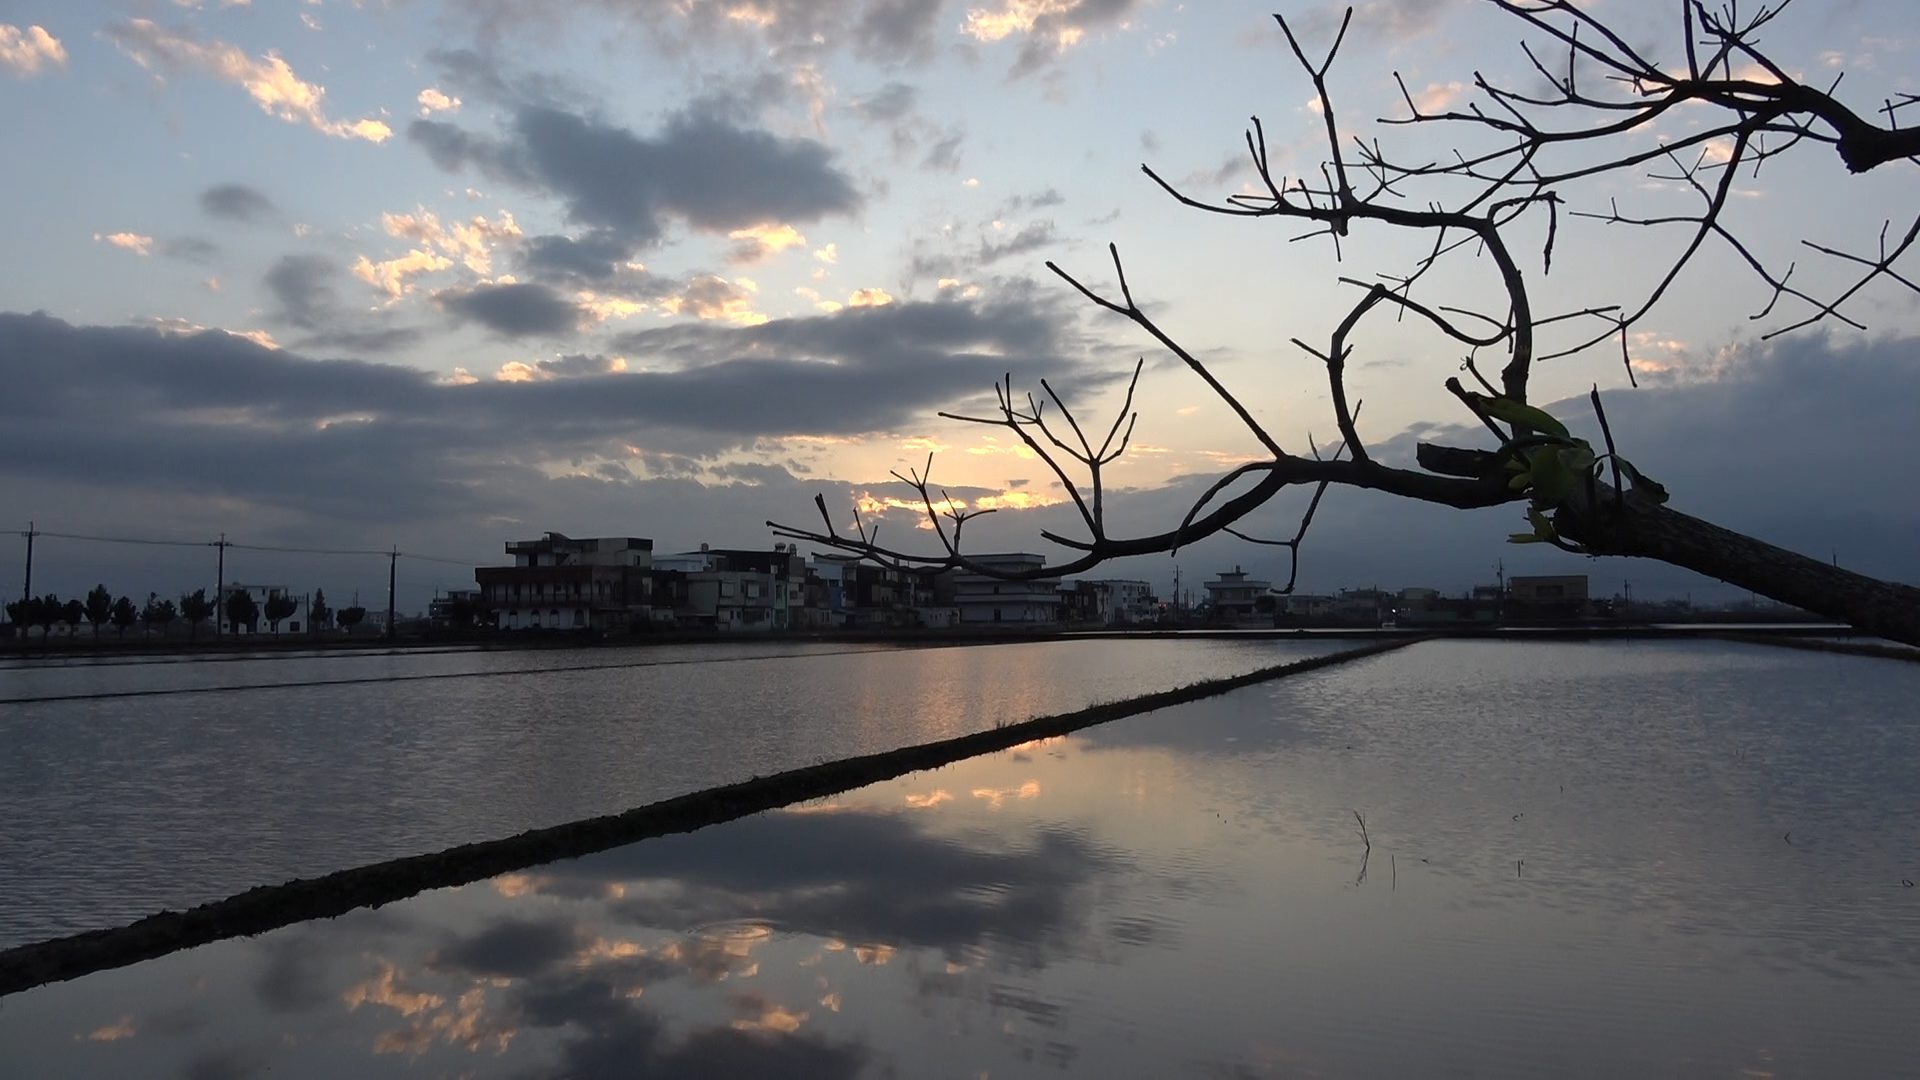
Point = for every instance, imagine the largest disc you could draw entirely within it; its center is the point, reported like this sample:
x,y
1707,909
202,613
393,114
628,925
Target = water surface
x,y
1611,859
118,807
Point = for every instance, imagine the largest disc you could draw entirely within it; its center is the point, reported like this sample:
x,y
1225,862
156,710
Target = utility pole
x,y
220,588
27,589
393,561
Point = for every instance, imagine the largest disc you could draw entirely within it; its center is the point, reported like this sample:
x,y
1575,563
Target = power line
x,y
275,548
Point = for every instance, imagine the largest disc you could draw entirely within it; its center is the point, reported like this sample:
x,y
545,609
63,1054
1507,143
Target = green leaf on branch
x,y
1520,413
1552,480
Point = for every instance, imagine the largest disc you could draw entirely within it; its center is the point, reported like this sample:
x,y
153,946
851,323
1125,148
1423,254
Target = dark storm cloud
x,y
701,168
523,309
237,202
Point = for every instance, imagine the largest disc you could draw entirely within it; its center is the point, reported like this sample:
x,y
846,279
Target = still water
x,y
1608,859
116,807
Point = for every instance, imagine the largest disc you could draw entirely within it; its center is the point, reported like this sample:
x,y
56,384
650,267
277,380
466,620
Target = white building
x,y
987,600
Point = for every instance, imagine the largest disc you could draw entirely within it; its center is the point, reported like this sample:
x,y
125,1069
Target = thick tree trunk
x,y
1879,607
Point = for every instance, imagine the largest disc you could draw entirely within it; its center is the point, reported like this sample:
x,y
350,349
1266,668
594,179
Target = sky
x,y
435,275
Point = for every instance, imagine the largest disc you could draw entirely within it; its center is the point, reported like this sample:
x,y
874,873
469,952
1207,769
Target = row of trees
x,y
101,608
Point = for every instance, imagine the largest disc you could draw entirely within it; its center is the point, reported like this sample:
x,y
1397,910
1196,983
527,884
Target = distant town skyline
x,y
359,273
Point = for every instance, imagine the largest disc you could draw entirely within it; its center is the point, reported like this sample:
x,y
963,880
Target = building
x,y
734,589
1548,596
990,599
1238,600
560,583
1107,602
458,609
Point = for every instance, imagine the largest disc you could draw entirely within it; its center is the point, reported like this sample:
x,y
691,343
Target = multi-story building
x,y
734,589
986,599
1235,599
1124,601
560,583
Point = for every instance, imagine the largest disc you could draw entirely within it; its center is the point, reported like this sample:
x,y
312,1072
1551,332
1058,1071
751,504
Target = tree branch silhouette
x,y
1598,117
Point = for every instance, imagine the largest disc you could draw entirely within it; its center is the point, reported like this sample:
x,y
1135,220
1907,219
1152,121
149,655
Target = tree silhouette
x,y
349,617
318,613
279,606
45,612
158,611
243,610
196,609
123,614
73,613
1519,160
99,608
20,614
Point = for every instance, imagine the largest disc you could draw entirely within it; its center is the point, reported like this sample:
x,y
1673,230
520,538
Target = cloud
x,y
137,243
890,104
701,169
433,100
390,275
208,414
304,287
579,364
593,258
1034,236
1046,28
471,241
522,309
885,31
710,296
760,242
28,52
268,79
237,202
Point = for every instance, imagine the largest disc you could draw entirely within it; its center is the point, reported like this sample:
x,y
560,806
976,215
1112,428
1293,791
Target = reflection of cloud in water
x,y
859,876
614,1035
120,1029
511,947
996,796
464,1023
